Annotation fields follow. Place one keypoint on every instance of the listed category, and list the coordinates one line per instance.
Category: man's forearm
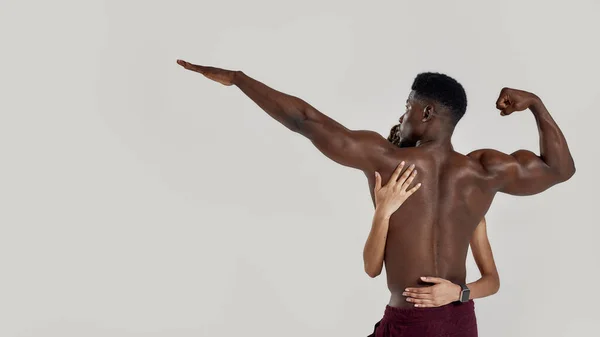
(289, 110)
(554, 150)
(374, 250)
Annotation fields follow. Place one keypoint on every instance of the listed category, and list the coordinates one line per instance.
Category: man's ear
(427, 113)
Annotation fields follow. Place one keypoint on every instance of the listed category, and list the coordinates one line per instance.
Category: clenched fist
(512, 100)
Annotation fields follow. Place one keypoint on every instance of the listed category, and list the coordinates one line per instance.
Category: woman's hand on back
(389, 197)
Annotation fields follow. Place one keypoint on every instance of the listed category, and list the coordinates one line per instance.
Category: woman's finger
(423, 290)
(396, 173)
(377, 181)
(413, 190)
(431, 279)
(406, 174)
(418, 301)
(426, 305)
(416, 295)
(409, 181)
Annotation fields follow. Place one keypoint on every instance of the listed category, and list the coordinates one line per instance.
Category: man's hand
(391, 196)
(511, 100)
(442, 293)
(222, 76)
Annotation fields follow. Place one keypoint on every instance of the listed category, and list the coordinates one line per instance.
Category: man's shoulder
(465, 160)
(487, 158)
(369, 138)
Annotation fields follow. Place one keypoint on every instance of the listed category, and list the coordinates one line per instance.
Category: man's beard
(407, 143)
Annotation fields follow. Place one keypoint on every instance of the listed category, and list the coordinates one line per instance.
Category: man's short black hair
(443, 89)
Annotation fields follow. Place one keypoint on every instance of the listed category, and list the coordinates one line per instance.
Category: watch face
(464, 296)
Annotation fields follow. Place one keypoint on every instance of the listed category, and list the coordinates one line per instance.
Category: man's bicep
(520, 173)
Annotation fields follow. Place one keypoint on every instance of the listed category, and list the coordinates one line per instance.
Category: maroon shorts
(454, 319)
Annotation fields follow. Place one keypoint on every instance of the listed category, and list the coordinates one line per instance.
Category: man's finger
(191, 66)
(396, 173)
(423, 290)
(503, 101)
(431, 279)
(377, 181)
(184, 64)
(508, 111)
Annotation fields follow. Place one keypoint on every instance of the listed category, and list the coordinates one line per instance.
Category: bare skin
(444, 291)
(430, 234)
(388, 198)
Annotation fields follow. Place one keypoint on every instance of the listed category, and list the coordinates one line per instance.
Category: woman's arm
(444, 291)
(489, 283)
(375, 246)
(387, 200)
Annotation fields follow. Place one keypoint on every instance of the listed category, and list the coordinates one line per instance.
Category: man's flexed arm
(523, 172)
(349, 148)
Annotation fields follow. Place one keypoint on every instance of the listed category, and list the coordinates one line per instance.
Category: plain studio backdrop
(141, 199)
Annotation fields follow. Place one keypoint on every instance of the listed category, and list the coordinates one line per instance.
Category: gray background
(138, 199)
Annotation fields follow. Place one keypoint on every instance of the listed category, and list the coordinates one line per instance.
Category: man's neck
(440, 143)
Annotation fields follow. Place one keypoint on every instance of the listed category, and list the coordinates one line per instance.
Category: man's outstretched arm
(358, 149)
(523, 172)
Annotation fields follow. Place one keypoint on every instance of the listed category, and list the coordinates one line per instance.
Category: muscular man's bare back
(430, 234)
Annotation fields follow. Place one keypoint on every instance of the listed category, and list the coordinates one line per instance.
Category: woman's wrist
(382, 214)
(457, 291)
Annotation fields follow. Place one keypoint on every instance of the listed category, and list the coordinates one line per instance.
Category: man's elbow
(571, 172)
(566, 174)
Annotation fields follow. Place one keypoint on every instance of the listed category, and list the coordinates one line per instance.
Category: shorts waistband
(418, 315)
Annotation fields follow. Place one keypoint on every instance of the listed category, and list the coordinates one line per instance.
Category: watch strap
(464, 293)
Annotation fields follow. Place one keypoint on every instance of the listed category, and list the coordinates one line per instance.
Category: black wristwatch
(465, 293)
